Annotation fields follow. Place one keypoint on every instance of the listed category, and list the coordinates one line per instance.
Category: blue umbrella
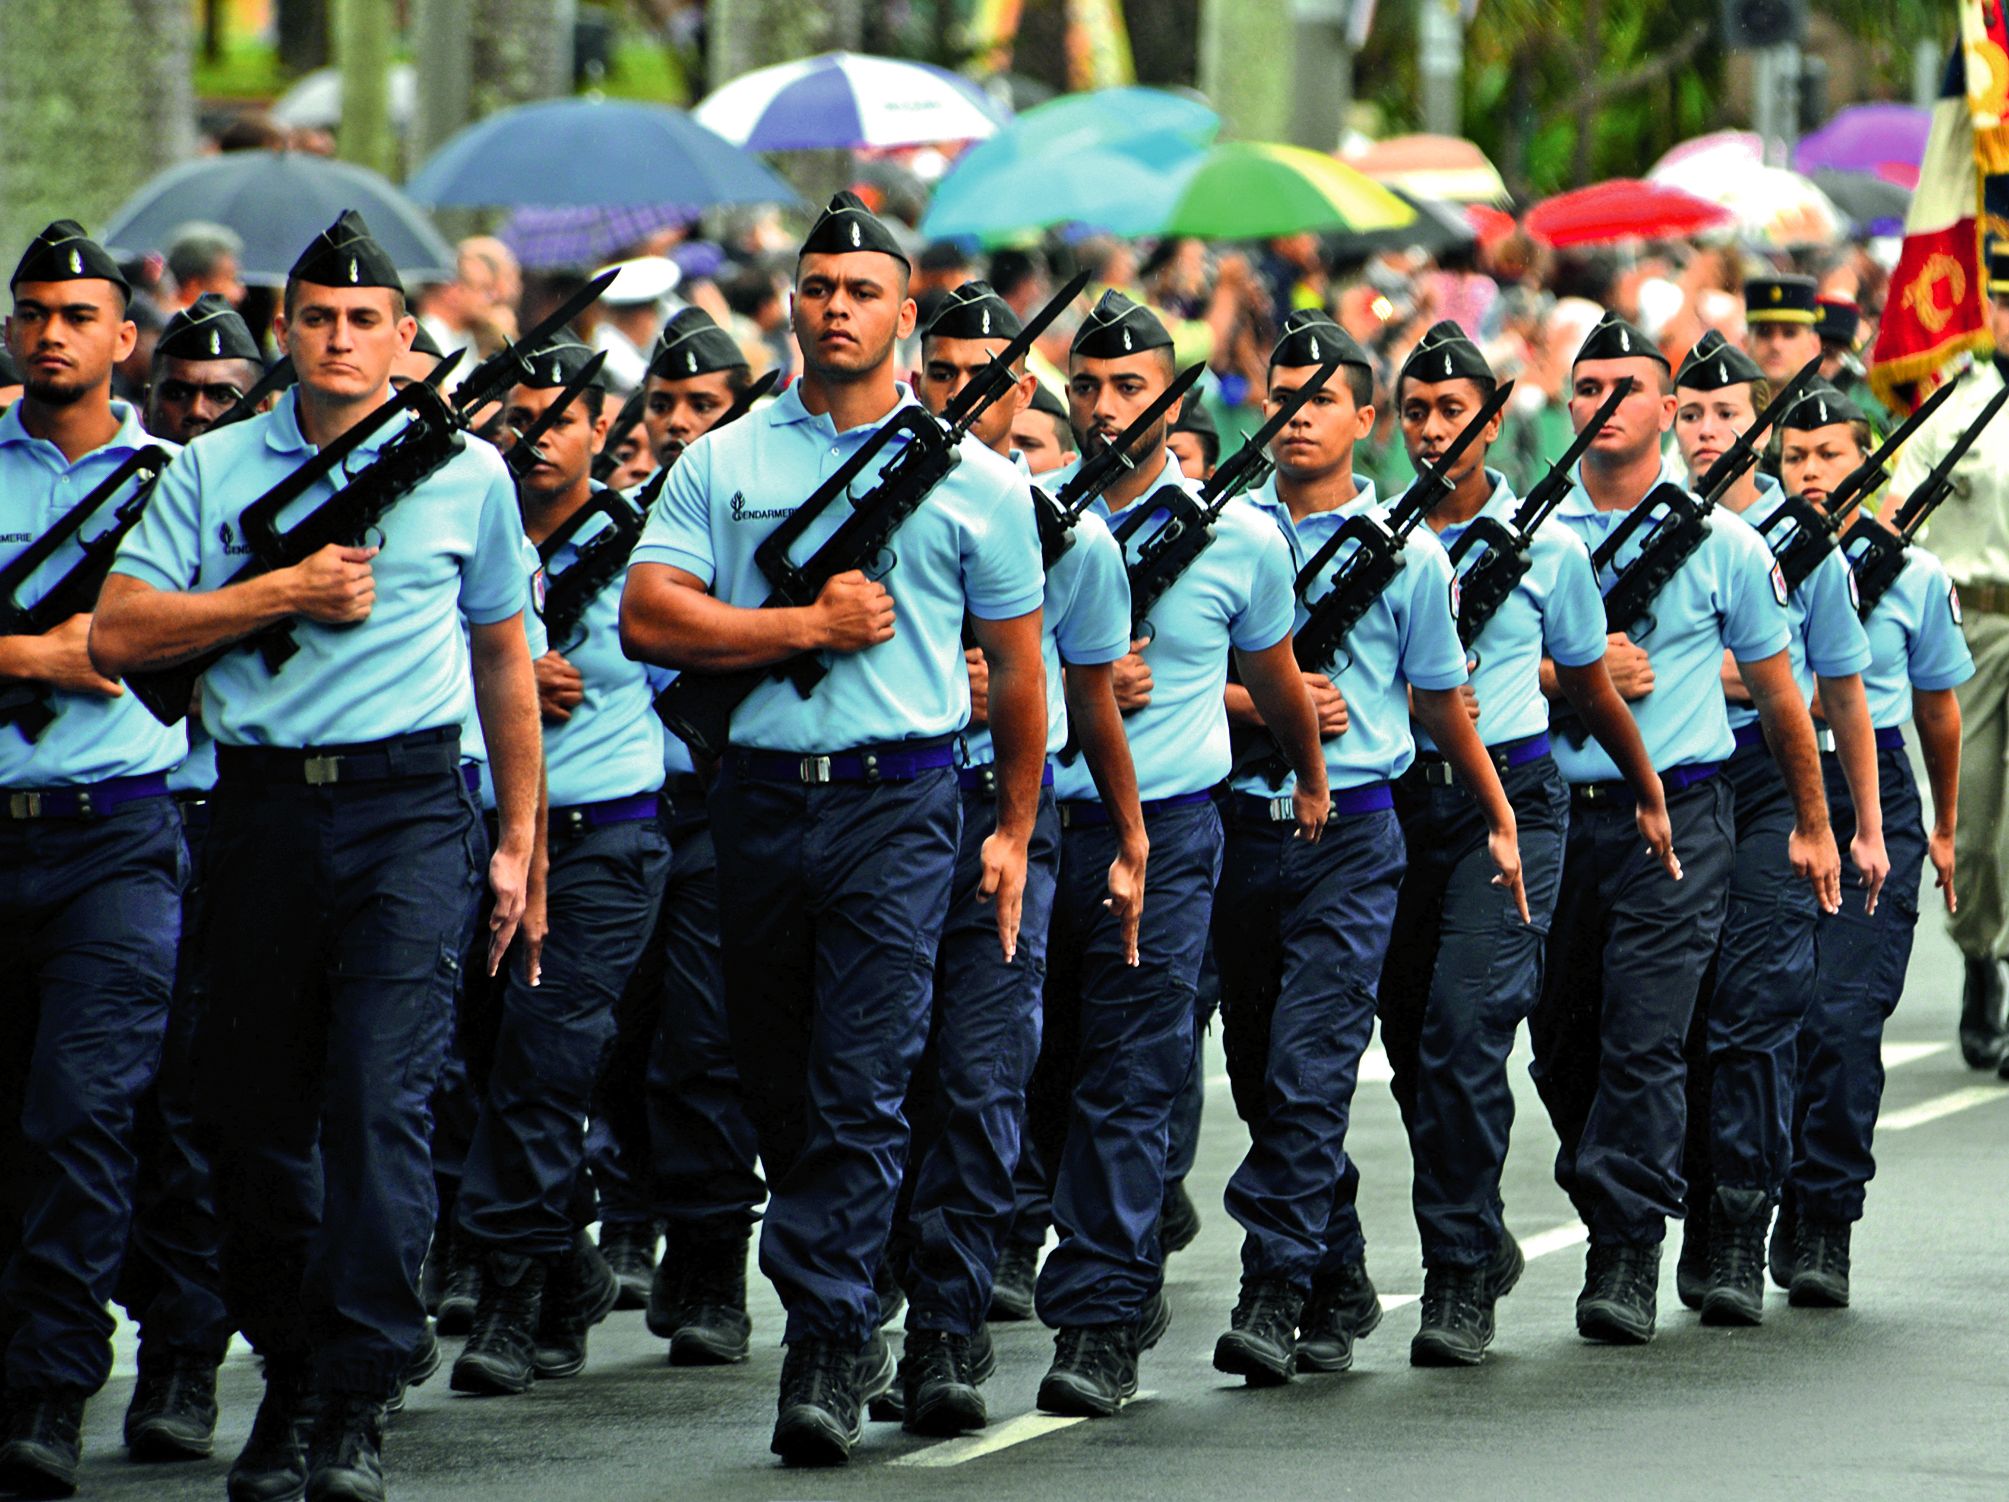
(594, 153)
(276, 202)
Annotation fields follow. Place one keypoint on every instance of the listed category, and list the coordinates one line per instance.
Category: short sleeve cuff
(674, 557)
(1757, 649)
(146, 573)
(1436, 682)
(1094, 655)
(1008, 607)
(1568, 656)
(1937, 682)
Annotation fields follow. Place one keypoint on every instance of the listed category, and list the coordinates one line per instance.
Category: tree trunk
(1246, 66)
(522, 51)
(95, 97)
(365, 31)
(750, 34)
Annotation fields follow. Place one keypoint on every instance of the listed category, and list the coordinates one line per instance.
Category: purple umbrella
(1868, 138)
(573, 236)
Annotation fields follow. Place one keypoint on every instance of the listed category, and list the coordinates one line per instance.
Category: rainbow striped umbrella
(1254, 190)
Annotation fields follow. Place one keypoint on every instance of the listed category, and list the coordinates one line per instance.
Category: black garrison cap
(973, 311)
(692, 344)
(1715, 363)
(846, 225)
(1312, 338)
(207, 329)
(423, 343)
(1445, 353)
(555, 364)
(1116, 327)
(1820, 407)
(1043, 400)
(345, 255)
(64, 253)
(1615, 339)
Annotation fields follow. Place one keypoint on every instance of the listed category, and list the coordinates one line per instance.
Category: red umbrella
(1623, 209)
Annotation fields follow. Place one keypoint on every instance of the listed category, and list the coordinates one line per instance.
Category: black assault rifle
(699, 706)
(26, 705)
(279, 376)
(1362, 577)
(523, 454)
(1188, 521)
(1874, 551)
(1058, 513)
(350, 516)
(604, 462)
(1504, 548)
(1800, 533)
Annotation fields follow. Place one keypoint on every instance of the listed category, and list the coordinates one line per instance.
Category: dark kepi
(207, 329)
(1780, 299)
(692, 344)
(64, 253)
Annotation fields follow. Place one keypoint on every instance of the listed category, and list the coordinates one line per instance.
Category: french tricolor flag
(1937, 309)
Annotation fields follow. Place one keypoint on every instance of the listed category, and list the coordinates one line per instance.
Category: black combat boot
(1820, 1277)
(939, 1378)
(819, 1416)
(500, 1357)
(1457, 1323)
(1094, 1371)
(1785, 1244)
(43, 1444)
(1691, 1268)
(629, 1248)
(1982, 1004)
(1012, 1286)
(272, 1466)
(697, 1301)
(1620, 1294)
(345, 1461)
(1736, 1291)
(1178, 1220)
(1343, 1308)
(460, 1283)
(424, 1362)
(1260, 1345)
(580, 1291)
(172, 1415)
(1505, 1270)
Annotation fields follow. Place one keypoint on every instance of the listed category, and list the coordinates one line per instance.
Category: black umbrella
(277, 202)
(1875, 206)
(1438, 227)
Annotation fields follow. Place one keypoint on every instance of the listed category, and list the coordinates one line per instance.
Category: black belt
(984, 779)
(872, 765)
(1438, 772)
(424, 753)
(684, 787)
(1366, 798)
(88, 800)
(1673, 780)
(1088, 813)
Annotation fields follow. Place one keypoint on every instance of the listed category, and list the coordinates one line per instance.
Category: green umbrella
(1255, 190)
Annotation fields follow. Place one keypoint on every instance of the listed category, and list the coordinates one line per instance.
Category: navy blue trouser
(834, 902)
(1627, 950)
(1187, 1111)
(523, 1166)
(171, 1283)
(700, 1149)
(1117, 1048)
(1463, 973)
(456, 1100)
(332, 932)
(1300, 933)
(1743, 1042)
(90, 914)
(1860, 966)
(968, 1104)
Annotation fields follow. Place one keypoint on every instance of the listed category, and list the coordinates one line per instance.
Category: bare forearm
(1590, 692)
(1440, 712)
(1276, 690)
(137, 627)
(505, 694)
(1018, 734)
(1846, 708)
(1098, 726)
(1936, 713)
(677, 626)
(1789, 730)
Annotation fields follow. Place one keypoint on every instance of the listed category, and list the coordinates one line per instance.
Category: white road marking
(975, 1446)
(1897, 1055)
(1941, 1105)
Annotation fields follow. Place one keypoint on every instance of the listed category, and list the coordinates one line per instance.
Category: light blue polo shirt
(1555, 611)
(473, 742)
(1086, 620)
(1728, 594)
(1915, 639)
(1236, 594)
(1827, 635)
(92, 738)
(677, 760)
(451, 547)
(973, 546)
(612, 746)
(1408, 636)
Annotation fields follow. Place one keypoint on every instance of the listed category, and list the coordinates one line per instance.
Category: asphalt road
(1900, 1396)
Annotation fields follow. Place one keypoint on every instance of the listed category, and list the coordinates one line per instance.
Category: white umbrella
(846, 99)
(315, 101)
(1775, 208)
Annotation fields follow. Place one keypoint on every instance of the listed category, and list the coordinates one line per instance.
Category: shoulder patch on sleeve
(537, 591)
(1457, 597)
(1855, 595)
(1779, 592)
(1953, 600)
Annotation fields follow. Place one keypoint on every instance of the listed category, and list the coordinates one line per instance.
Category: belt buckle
(1438, 774)
(1591, 792)
(1824, 739)
(814, 770)
(987, 779)
(24, 805)
(1283, 810)
(320, 771)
